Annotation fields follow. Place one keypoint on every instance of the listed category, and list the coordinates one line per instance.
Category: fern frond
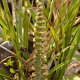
(39, 65)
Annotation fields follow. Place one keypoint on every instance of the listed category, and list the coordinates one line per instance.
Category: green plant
(62, 34)
(40, 60)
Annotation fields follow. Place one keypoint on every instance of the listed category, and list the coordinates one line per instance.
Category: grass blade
(26, 25)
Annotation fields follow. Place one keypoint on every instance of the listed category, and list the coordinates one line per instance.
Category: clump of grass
(63, 34)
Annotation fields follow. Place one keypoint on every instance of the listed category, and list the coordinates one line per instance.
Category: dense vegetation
(54, 26)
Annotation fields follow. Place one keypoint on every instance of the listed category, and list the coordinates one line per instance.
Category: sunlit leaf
(9, 62)
(12, 70)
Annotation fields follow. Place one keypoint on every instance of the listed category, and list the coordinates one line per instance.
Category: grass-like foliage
(54, 41)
